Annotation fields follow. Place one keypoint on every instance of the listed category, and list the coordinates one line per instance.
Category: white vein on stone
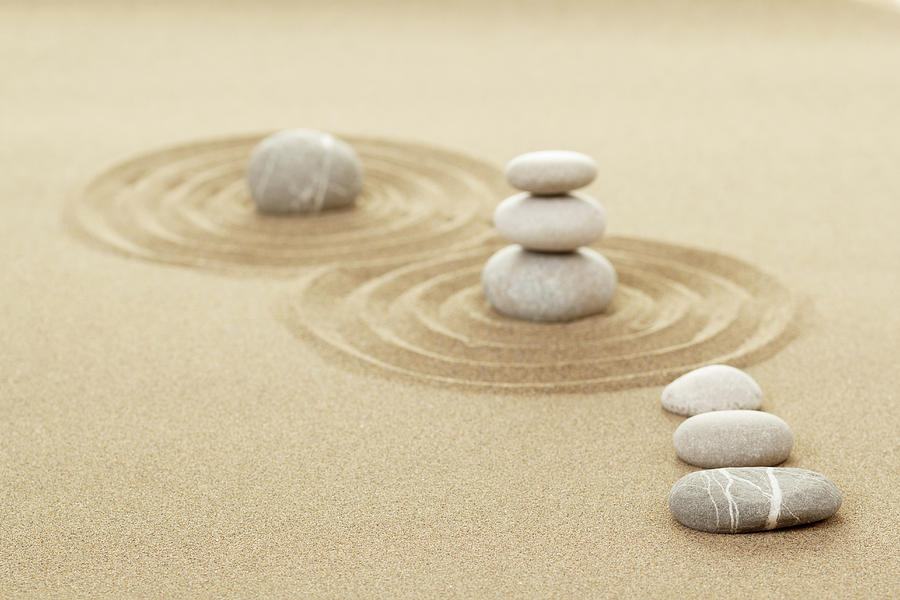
(750, 483)
(728, 499)
(775, 500)
(736, 519)
(711, 499)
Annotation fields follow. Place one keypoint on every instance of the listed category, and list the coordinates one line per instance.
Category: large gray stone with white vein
(303, 171)
(745, 499)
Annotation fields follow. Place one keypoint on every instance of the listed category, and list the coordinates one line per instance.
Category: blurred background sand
(164, 435)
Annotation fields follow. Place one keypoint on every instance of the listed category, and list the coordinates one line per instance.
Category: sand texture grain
(199, 401)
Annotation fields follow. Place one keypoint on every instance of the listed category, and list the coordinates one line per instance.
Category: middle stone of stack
(547, 274)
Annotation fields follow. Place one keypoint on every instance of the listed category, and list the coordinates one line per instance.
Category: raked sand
(196, 401)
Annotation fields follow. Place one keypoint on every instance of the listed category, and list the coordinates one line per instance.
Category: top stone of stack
(551, 172)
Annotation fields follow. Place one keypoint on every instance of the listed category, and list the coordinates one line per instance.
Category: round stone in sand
(550, 224)
(536, 286)
(733, 438)
(743, 499)
(716, 387)
(303, 171)
(551, 171)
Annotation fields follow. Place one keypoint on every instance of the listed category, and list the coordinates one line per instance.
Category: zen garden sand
(201, 398)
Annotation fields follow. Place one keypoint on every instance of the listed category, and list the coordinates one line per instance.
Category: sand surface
(196, 402)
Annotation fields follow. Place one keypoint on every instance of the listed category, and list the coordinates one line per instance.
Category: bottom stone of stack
(551, 287)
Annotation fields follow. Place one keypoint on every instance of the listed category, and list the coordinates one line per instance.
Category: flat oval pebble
(303, 171)
(551, 171)
(733, 438)
(744, 499)
(550, 224)
(548, 287)
(716, 387)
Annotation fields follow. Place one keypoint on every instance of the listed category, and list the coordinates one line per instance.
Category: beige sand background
(164, 435)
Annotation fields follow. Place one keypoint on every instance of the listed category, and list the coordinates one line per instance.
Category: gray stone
(535, 286)
(303, 171)
(733, 438)
(744, 499)
(716, 387)
(551, 171)
(550, 223)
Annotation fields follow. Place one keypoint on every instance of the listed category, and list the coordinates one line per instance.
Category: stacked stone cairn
(547, 274)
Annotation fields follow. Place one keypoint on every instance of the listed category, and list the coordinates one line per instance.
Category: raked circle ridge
(676, 308)
(189, 205)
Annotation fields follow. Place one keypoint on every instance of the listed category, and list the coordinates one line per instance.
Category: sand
(187, 413)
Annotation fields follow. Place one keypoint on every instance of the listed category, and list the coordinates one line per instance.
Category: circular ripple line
(188, 205)
(676, 309)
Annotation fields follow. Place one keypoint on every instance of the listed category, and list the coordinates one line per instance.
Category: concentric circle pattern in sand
(676, 308)
(189, 205)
